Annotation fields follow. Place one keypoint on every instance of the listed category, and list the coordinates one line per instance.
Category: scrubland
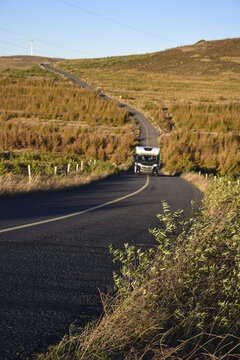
(190, 92)
(47, 121)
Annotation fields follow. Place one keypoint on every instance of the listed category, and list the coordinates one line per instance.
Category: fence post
(199, 173)
(81, 165)
(55, 170)
(94, 162)
(68, 169)
(206, 176)
(238, 182)
(29, 173)
(77, 167)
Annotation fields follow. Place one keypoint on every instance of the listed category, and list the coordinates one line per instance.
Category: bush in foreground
(179, 300)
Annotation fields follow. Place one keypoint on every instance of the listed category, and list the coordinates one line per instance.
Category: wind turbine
(31, 42)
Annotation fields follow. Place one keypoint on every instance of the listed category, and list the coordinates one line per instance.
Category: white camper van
(147, 160)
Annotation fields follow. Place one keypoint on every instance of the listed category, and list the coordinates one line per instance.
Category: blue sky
(99, 28)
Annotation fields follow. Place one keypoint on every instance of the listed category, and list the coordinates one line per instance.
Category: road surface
(54, 250)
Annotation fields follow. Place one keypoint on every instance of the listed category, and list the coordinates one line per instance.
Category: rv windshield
(146, 158)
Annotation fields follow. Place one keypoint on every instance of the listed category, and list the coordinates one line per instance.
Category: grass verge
(12, 185)
(199, 181)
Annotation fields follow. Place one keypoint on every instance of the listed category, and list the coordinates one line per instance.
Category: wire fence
(46, 168)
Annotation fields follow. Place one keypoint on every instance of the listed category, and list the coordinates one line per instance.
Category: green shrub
(3, 168)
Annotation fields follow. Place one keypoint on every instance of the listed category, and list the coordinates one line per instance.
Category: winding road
(54, 249)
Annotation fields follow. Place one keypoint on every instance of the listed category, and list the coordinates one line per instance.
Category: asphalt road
(52, 267)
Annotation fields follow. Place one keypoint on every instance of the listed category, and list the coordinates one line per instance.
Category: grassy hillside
(191, 92)
(211, 57)
(18, 61)
(44, 118)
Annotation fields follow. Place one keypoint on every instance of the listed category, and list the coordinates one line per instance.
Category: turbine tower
(31, 42)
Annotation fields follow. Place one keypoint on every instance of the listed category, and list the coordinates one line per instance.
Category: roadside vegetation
(45, 120)
(44, 99)
(178, 300)
(190, 151)
(190, 93)
(49, 171)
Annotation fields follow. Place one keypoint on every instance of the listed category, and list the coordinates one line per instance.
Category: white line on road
(77, 213)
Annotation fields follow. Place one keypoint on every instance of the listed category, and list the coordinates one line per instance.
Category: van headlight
(154, 169)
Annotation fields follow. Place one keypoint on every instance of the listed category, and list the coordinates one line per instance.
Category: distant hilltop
(19, 61)
(202, 58)
(201, 42)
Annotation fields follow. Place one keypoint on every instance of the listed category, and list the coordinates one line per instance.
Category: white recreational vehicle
(147, 160)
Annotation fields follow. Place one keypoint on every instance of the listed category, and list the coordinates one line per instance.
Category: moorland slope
(48, 122)
(22, 61)
(191, 93)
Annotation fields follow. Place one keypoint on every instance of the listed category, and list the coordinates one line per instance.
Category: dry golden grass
(214, 118)
(44, 119)
(48, 115)
(199, 181)
(199, 87)
(50, 99)
(101, 143)
(194, 151)
(19, 185)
